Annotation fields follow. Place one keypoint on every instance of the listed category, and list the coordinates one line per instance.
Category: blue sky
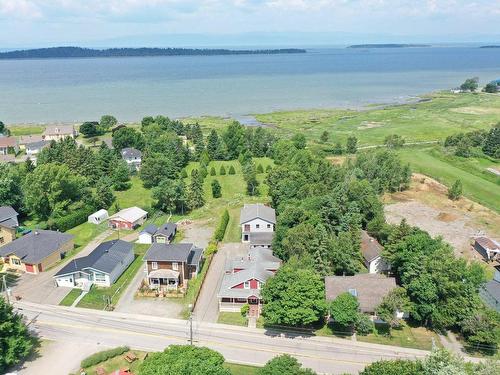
(36, 23)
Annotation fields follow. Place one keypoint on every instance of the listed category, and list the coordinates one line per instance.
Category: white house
(34, 148)
(58, 132)
(102, 267)
(372, 254)
(257, 218)
(132, 157)
(98, 217)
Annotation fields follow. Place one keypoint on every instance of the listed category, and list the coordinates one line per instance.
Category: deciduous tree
(344, 309)
(284, 365)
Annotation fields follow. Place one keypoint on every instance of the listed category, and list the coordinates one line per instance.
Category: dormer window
(246, 285)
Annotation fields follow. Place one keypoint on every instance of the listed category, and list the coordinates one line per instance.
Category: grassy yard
(95, 298)
(232, 318)
(70, 297)
(477, 185)
(18, 130)
(241, 369)
(437, 116)
(137, 195)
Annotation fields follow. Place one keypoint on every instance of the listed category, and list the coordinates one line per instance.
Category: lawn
(445, 169)
(18, 130)
(435, 117)
(70, 297)
(136, 195)
(232, 318)
(95, 298)
(241, 369)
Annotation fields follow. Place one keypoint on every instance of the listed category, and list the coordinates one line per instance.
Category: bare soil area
(427, 206)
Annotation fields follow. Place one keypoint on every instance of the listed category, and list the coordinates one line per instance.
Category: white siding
(145, 238)
(67, 281)
(377, 265)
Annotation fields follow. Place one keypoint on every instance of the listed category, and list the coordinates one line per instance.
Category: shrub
(184, 174)
(221, 229)
(213, 172)
(203, 172)
(216, 189)
(455, 192)
(364, 325)
(99, 357)
(260, 169)
(232, 170)
(211, 249)
(245, 309)
(269, 169)
(193, 173)
(72, 220)
(222, 171)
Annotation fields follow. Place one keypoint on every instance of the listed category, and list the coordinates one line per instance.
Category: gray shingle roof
(37, 145)
(166, 230)
(261, 238)
(179, 252)
(131, 153)
(8, 217)
(493, 289)
(259, 210)
(105, 258)
(150, 229)
(370, 248)
(36, 246)
(370, 288)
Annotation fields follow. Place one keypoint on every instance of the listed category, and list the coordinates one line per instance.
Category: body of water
(70, 90)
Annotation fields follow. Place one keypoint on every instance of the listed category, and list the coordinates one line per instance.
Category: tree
(250, 176)
(324, 137)
(470, 84)
(284, 365)
(394, 367)
(491, 88)
(396, 301)
(195, 197)
(338, 149)
(11, 193)
(156, 167)
(104, 196)
(491, 146)
(107, 122)
(344, 309)
(234, 138)
(482, 330)
(222, 171)
(184, 360)
(455, 192)
(294, 297)
(394, 141)
(232, 170)
(3, 128)
(170, 196)
(216, 189)
(299, 141)
(364, 324)
(463, 148)
(213, 145)
(89, 129)
(213, 172)
(345, 255)
(260, 169)
(121, 176)
(441, 361)
(351, 145)
(128, 137)
(15, 340)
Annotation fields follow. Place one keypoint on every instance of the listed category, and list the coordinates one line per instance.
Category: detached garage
(98, 217)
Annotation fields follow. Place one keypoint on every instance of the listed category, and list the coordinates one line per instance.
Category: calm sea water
(130, 88)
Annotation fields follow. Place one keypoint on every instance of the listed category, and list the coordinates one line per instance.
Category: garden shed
(98, 217)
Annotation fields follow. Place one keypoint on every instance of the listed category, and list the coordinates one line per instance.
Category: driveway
(41, 288)
(196, 232)
(207, 306)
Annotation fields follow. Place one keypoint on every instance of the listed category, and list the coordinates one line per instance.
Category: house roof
(163, 273)
(179, 252)
(27, 139)
(7, 159)
(257, 211)
(8, 142)
(59, 129)
(493, 289)
(487, 243)
(370, 288)
(131, 214)
(8, 217)
(101, 213)
(131, 153)
(38, 145)
(105, 258)
(36, 245)
(370, 248)
(261, 238)
(150, 229)
(167, 229)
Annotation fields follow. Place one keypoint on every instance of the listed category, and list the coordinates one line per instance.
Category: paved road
(41, 288)
(207, 307)
(236, 344)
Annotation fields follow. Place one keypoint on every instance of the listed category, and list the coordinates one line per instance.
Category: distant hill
(493, 46)
(77, 52)
(388, 45)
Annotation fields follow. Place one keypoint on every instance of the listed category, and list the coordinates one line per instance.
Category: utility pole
(190, 324)
(4, 282)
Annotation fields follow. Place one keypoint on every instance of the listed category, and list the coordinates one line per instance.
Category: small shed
(98, 217)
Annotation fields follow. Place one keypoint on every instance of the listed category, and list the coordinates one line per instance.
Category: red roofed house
(7, 144)
(244, 278)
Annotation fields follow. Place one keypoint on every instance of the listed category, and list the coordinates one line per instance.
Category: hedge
(99, 357)
(221, 229)
(72, 220)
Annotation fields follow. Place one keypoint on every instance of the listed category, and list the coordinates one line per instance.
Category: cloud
(19, 9)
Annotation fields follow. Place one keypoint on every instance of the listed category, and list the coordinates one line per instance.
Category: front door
(30, 268)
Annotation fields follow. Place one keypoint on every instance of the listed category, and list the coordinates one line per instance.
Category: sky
(42, 23)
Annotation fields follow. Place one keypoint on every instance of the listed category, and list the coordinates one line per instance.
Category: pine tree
(322, 247)
(352, 145)
(232, 170)
(213, 144)
(216, 189)
(195, 196)
(184, 173)
(104, 196)
(213, 172)
(324, 137)
(260, 169)
(455, 192)
(121, 177)
(222, 171)
(269, 169)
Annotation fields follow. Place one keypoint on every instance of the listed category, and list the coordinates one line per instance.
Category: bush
(213, 172)
(260, 169)
(232, 170)
(222, 171)
(364, 325)
(99, 357)
(221, 229)
(72, 220)
(455, 192)
(184, 174)
(211, 249)
(269, 169)
(245, 309)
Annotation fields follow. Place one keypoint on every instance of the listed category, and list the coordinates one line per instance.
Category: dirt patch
(197, 232)
(427, 206)
(370, 125)
(477, 110)
(336, 160)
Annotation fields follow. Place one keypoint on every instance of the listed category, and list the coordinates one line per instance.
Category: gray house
(256, 219)
(163, 234)
(490, 292)
(101, 267)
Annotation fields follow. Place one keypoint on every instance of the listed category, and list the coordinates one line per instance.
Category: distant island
(77, 52)
(492, 46)
(388, 45)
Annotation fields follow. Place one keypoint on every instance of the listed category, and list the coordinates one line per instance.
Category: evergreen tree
(269, 169)
(213, 172)
(195, 198)
(321, 251)
(184, 173)
(232, 170)
(222, 171)
(234, 138)
(121, 176)
(352, 145)
(491, 145)
(299, 141)
(260, 169)
(213, 145)
(216, 189)
(104, 196)
(324, 137)
(455, 192)
(250, 177)
(337, 149)
(203, 172)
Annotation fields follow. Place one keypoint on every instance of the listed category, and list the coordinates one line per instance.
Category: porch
(164, 280)
(235, 305)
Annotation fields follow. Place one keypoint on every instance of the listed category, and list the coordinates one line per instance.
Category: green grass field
(137, 195)
(70, 297)
(18, 130)
(439, 115)
(478, 185)
(94, 298)
(232, 318)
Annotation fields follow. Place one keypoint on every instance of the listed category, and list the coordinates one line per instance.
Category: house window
(257, 226)
(99, 278)
(154, 265)
(1, 240)
(268, 226)
(246, 285)
(15, 261)
(259, 284)
(175, 266)
(353, 292)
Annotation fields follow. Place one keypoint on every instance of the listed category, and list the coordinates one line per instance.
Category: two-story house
(58, 132)
(257, 225)
(132, 157)
(243, 279)
(8, 224)
(372, 254)
(171, 266)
